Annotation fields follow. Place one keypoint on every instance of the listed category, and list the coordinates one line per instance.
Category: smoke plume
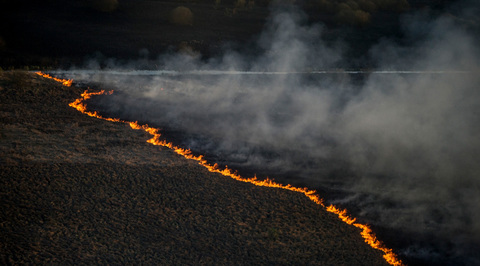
(402, 147)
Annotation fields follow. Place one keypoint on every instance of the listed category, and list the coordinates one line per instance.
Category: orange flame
(368, 235)
(65, 82)
(366, 232)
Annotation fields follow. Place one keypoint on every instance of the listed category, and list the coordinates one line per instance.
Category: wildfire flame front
(366, 232)
(65, 82)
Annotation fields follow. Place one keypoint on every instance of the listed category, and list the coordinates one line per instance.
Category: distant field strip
(235, 72)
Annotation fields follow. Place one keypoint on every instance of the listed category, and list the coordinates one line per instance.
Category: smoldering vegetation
(401, 149)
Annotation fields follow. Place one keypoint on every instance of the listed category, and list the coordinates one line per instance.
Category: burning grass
(76, 189)
(366, 232)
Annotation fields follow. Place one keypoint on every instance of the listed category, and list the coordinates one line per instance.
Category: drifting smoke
(402, 148)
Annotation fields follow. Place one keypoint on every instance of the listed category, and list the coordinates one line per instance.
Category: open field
(77, 190)
(397, 125)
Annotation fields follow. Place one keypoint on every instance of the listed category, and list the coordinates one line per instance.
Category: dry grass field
(78, 190)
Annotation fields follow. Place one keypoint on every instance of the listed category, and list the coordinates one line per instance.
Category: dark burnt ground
(79, 190)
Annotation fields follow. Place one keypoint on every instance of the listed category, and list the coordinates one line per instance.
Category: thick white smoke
(403, 148)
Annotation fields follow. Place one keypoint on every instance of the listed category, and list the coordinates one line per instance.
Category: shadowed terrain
(65, 33)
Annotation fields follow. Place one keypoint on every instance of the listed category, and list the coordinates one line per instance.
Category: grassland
(78, 190)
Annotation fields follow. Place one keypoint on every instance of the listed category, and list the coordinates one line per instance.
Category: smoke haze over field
(402, 148)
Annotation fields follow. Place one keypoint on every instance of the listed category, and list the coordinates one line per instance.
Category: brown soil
(79, 190)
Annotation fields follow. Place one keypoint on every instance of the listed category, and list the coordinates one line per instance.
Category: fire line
(366, 232)
(65, 82)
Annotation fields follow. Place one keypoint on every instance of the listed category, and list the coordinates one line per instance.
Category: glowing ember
(65, 82)
(367, 233)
